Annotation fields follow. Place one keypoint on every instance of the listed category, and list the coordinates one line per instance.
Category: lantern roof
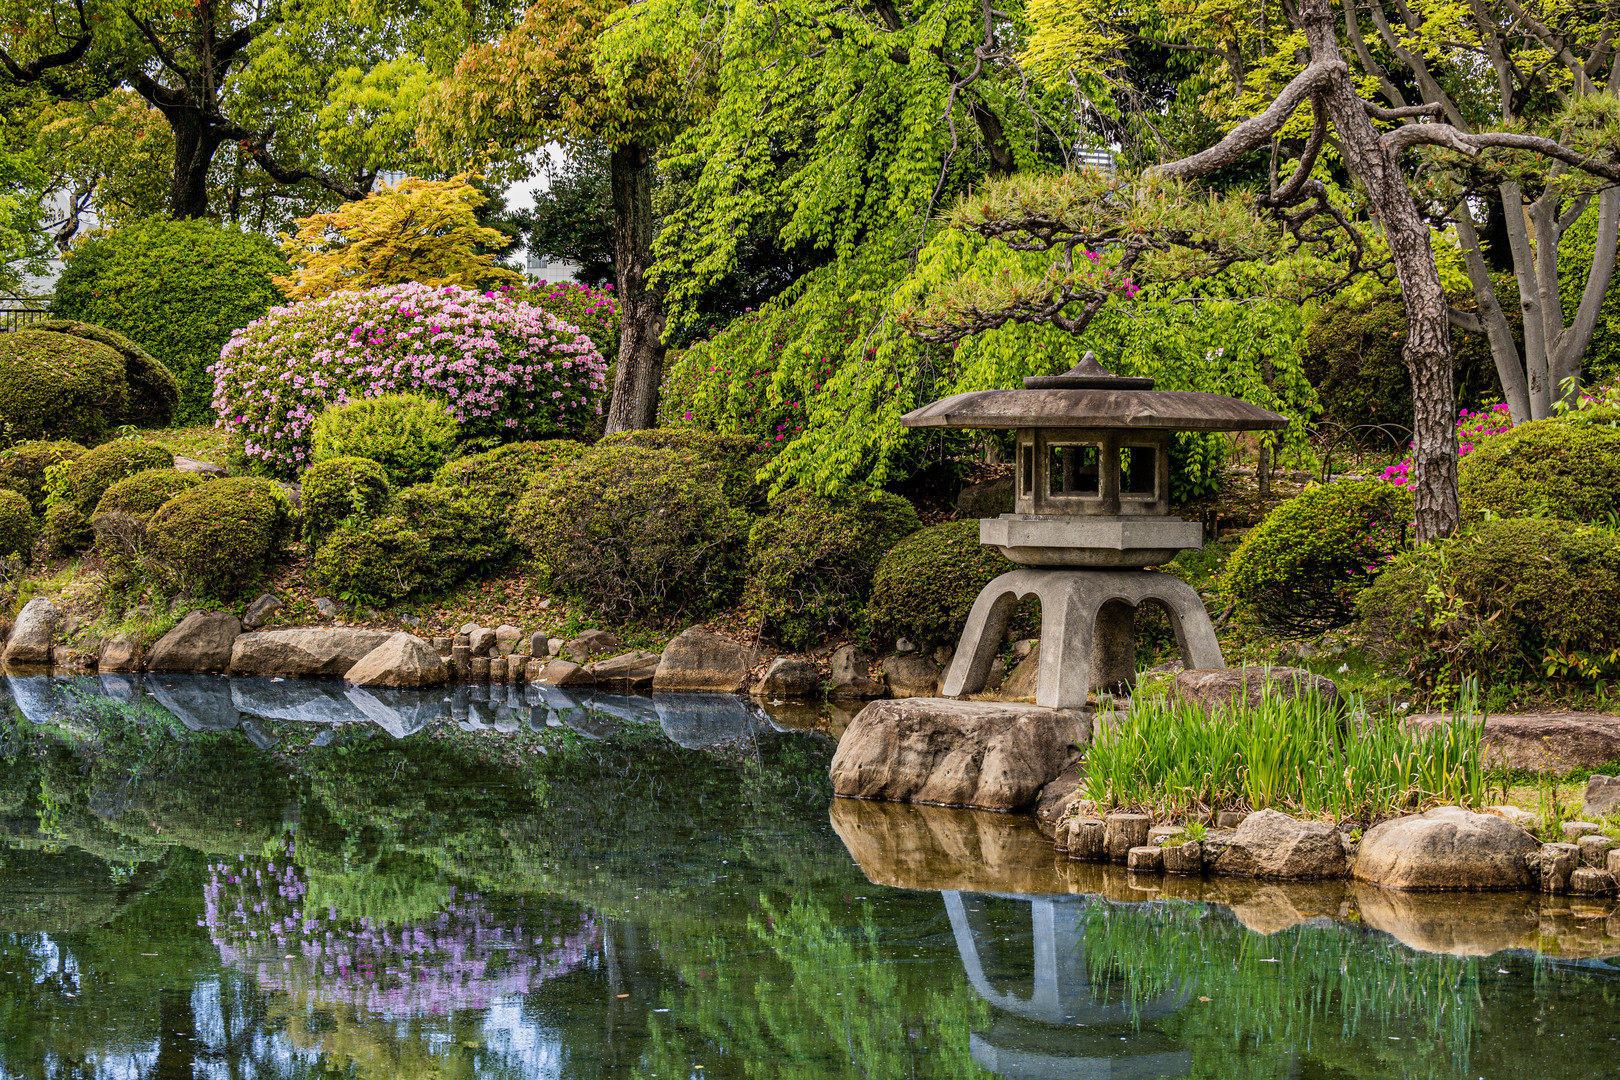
(1090, 396)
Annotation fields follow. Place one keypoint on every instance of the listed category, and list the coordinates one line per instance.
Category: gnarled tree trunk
(641, 313)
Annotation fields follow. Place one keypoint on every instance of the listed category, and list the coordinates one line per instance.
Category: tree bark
(194, 148)
(640, 371)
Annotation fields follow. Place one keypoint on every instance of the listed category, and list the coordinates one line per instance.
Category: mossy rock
(220, 539)
(340, 488)
(154, 392)
(811, 560)
(18, 529)
(57, 386)
(925, 587)
(1564, 467)
(22, 468)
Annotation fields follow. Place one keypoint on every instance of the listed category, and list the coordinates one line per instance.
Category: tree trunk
(641, 346)
(194, 147)
(1427, 351)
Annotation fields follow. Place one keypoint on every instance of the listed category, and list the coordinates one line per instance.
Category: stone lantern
(1091, 511)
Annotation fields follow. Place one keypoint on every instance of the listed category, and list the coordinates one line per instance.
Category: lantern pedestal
(1088, 625)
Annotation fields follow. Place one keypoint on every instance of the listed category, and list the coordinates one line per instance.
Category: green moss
(142, 494)
(219, 539)
(18, 530)
(1300, 570)
(340, 488)
(636, 531)
(154, 392)
(811, 560)
(54, 386)
(409, 435)
(498, 478)
(736, 456)
(23, 467)
(925, 587)
(1563, 467)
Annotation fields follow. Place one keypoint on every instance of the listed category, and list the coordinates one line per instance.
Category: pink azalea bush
(511, 370)
(595, 311)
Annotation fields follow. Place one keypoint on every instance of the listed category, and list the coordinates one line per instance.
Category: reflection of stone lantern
(1091, 510)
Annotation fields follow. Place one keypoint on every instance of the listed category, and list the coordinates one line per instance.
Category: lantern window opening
(1138, 471)
(1074, 470)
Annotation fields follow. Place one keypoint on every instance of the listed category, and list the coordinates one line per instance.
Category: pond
(203, 877)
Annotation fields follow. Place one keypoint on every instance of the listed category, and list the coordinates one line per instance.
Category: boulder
(989, 499)
(506, 638)
(1553, 864)
(1020, 685)
(402, 660)
(1542, 742)
(1273, 845)
(588, 644)
(699, 660)
(1446, 848)
(956, 753)
(32, 634)
(259, 612)
(202, 642)
(481, 641)
(1219, 688)
(558, 673)
(911, 676)
(627, 671)
(1058, 797)
(207, 469)
(329, 608)
(787, 678)
(306, 653)
(849, 674)
(121, 653)
(1602, 796)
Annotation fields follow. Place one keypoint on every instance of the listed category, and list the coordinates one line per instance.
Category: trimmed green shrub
(1566, 467)
(811, 560)
(339, 488)
(925, 587)
(636, 531)
(178, 289)
(65, 531)
(142, 494)
(83, 480)
(22, 468)
(1504, 600)
(429, 538)
(409, 435)
(736, 457)
(18, 530)
(219, 539)
(1299, 571)
(498, 478)
(55, 386)
(154, 392)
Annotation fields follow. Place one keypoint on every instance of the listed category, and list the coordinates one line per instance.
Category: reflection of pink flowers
(465, 956)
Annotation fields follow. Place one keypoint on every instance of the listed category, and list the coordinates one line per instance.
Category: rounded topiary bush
(83, 480)
(735, 456)
(339, 488)
(811, 560)
(120, 517)
(57, 386)
(1566, 467)
(1504, 600)
(494, 481)
(177, 289)
(924, 588)
(23, 468)
(18, 530)
(636, 531)
(430, 537)
(507, 371)
(1300, 570)
(219, 539)
(409, 435)
(154, 392)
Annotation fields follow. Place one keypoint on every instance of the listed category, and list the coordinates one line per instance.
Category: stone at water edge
(481, 641)
(1273, 845)
(1145, 859)
(259, 612)
(1122, 832)
(402, 660)
(632, 670)
(1184, 858)
(1590, 881)
(201, 642)
(1218, 688)
(789, 678)
(507, 637)
(1602, 796)
(1058, 797)
(1446, 848)
(1088, 839)
(911, 676)
(590, 643)
(699, 660)
(31, 636)
(956, 753)
(849, 674)
(1595, 850)
(559, 673)
(303, 653)
(1554, 864)
(121, 653)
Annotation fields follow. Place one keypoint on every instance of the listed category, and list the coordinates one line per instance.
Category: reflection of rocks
(400, 712)
(120, 687)
(36, 697)
(201, 702)
(698, 720)
(1462, 924)
(936, 847)
(293, 699)
(1270, 907)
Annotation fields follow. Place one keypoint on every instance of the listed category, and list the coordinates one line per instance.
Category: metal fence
(17, 312)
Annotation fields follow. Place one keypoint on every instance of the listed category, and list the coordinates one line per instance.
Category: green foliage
(498, 478)
(18, 530)
(1505, 600)
(409, 435)
(734, 457)
(23, 468)
(55, 386)
(1564, 467)
(65, 531)
(140, 495)
(219, 539)
(925, 587)
(1300, 570)
(636, 531)
(811, 560)
(428, 539)
(82, 480)
(1295, 754)
(154, 392)
(178, 289)
(339, 488)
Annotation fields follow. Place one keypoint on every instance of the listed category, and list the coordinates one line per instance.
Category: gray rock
(1554, 864)
(1273, 845)
(329, 608)
(1602, 796)
(32, 635)
(1145, 859)
(849, 674)
(902, 645)
(1590, 881)
(699, 660)
(1542, 742)
(1574, 830)
(468, 628)
(202, 642)
(911, 676)
(402, 660)
(701, 720)
(627, 671)
(956, 753)
(1020, 685)
(788, 678)
(539, 644)
(507, 637)
(590, 643)
(989, 499)
(207, 469)
(1595, 850)
(304, 653)
(481, 641)
(1122, 832)
(120, 653)
(560, 673)
(259, 612)
(201, 702)
(1230, 819)
(1446, 848)
(1220, 688)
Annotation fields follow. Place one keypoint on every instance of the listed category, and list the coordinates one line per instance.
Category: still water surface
(202, 877)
